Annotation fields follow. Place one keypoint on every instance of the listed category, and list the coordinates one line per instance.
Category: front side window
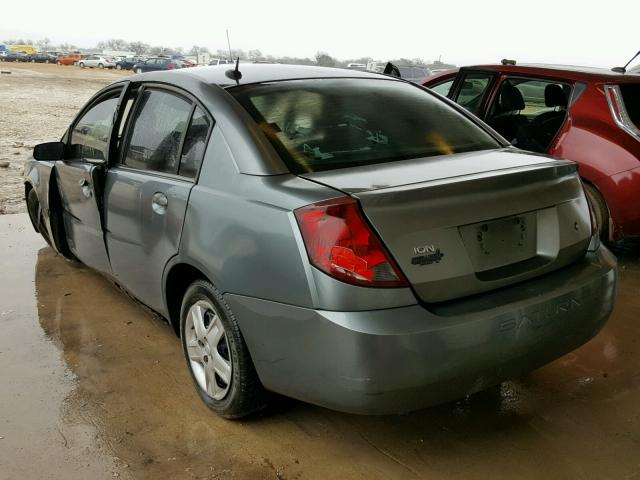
(158, 129)
(90, 135)
(473, 90)
(324, 124)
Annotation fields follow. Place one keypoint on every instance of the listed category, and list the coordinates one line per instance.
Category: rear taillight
(619, 112)
(171, 66)
(340, 242)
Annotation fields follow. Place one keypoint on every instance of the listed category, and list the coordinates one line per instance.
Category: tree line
(140, 48)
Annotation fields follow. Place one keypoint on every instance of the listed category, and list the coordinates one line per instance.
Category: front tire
(216, 354)
(81, 65)
(138, 70)
(100, 65)
(35, 215)
(118, 67)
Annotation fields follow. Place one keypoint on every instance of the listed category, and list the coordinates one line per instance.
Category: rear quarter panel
(238, 229)
(591, 139)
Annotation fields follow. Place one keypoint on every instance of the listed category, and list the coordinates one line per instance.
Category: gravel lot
(37, 103)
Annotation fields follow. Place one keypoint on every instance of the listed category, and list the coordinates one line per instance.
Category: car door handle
(159, 203)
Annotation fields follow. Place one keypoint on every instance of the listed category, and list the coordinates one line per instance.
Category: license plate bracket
(497, 243)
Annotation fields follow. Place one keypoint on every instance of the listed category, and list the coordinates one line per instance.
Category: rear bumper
(402, 359)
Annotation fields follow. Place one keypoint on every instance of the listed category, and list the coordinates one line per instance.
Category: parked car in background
(41, 57)
(220, 61)
(414, 73)
(156, 64)
(14, 57)
(127, 63)
(69, 59)
(588, 115)
(368, 256)
(98, 61)
(187, 63)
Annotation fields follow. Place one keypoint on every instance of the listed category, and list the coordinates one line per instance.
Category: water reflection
(574, 418)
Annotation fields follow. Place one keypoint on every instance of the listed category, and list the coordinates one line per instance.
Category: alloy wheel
(208, 350)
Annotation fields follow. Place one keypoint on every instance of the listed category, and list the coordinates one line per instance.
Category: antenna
(235, 74)
(624, 69)
(229, 45)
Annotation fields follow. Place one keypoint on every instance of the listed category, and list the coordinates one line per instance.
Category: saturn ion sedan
(345, 238)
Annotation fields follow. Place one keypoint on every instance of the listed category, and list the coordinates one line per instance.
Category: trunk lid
(462, 224)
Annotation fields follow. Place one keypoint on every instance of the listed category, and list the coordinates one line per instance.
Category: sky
(464, 32)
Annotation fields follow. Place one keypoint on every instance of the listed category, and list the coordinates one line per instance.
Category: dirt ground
(37, 103)
(93, 386)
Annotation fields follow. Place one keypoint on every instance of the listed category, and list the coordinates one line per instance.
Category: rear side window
(159, 127)
(194, 144)
(324, 124)
(90, 135)
(631, 97)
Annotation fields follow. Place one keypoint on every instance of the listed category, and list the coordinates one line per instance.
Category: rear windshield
(631, 96)
(325, 124)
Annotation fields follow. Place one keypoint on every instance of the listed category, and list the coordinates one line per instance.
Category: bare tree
(196, 50)
(158, 50)
(139, 47)
(323, 59)
(113, 44)
(254, 55)
(44, 44)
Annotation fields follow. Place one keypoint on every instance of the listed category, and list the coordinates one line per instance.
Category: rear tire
(58, 63)
(138, 70)
(600, 209)
(118, 67)
(100, 65)
(81, 65)
(210, 334)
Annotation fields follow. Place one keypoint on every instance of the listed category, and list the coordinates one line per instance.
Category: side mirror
(50, 151)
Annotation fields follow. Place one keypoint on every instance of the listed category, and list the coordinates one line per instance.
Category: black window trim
(126, 134)
(459, 80)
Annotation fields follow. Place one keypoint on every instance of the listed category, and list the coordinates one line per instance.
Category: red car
(588, 115)
(69, 59)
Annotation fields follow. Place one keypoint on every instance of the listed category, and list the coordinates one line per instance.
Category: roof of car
(258, 73)
(573, 72)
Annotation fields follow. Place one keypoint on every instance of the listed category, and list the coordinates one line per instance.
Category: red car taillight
(171, 66)
(341, 243)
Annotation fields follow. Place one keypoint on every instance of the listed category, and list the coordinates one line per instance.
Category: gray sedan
(341, 237)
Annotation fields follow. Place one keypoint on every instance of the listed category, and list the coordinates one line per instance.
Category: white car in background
(97, 61)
